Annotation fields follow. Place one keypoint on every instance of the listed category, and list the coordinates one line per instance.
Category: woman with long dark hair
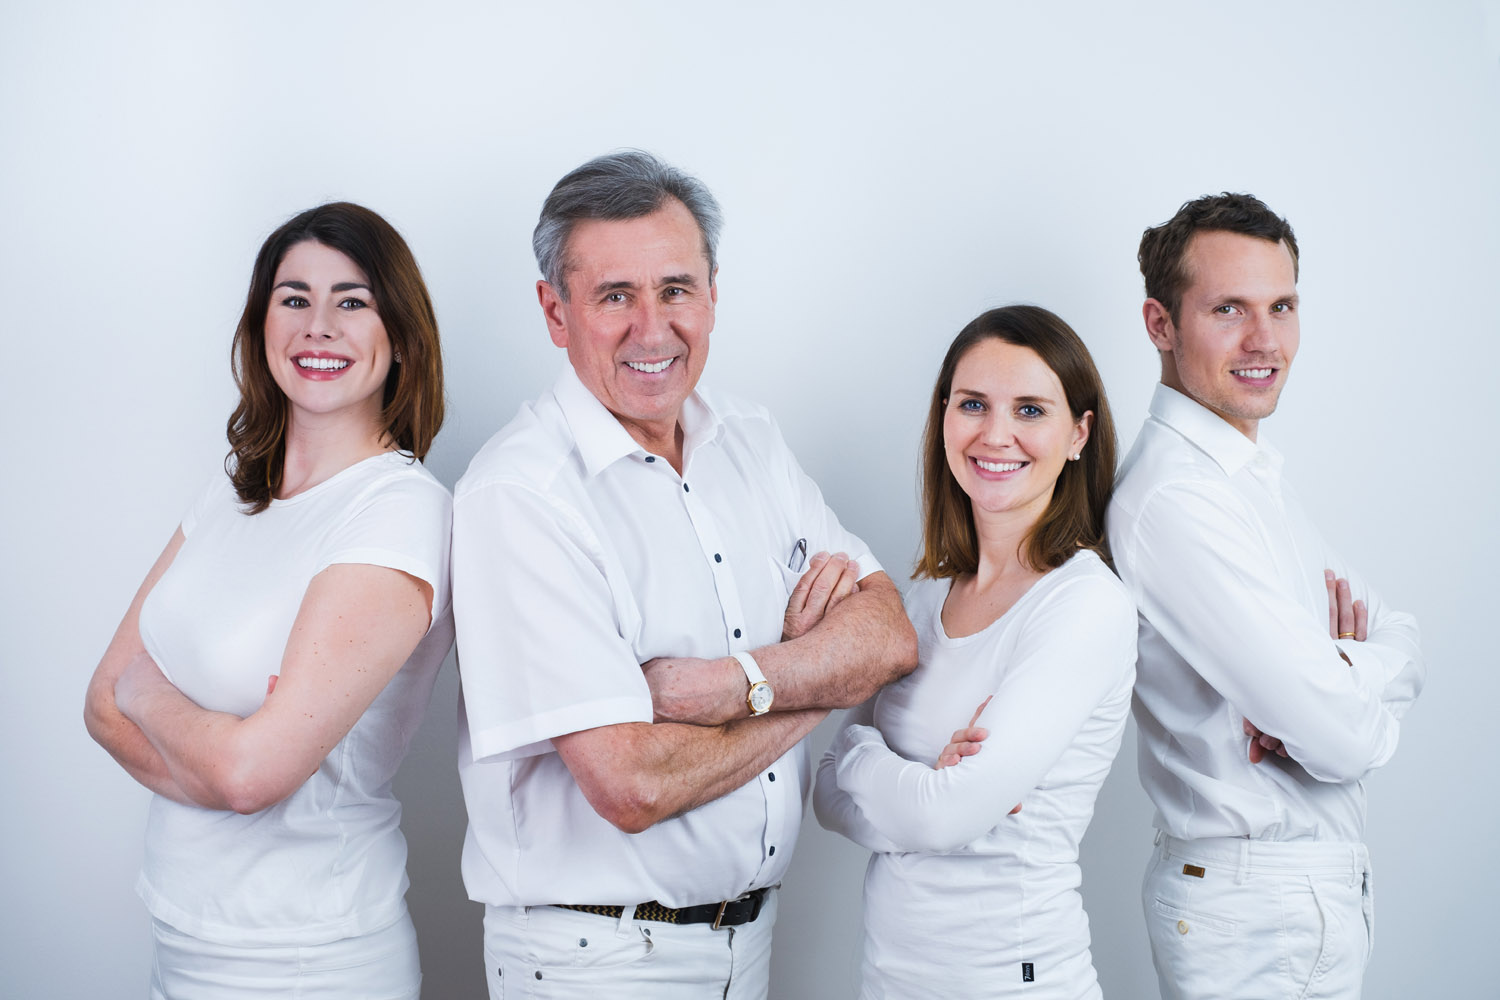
(269, 675)
(972, 889)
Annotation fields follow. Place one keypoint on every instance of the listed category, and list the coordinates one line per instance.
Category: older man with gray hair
(649, 623)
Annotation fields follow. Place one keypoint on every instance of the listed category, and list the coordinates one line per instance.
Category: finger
(1361, 621)
(978, 712)
(270, 684)
(828, 574)
(846, 584)
(1281, 751)
(1016, 809)
(1249, 728)
(946, 760)
(970, 734)
(798, 599)
(1333, 603)
(1257, 752)
(1346, 608)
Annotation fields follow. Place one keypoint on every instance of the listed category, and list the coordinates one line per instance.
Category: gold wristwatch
(760, 695)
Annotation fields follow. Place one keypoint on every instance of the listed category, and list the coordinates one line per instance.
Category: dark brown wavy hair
(412, 404)
(1074, 518)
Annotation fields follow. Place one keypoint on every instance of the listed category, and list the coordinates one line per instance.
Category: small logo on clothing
(1192, 870)
(1027, 975)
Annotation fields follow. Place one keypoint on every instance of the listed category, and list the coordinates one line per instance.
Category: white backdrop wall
(886, 175)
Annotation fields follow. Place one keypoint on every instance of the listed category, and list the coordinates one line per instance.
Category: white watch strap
(751, 668)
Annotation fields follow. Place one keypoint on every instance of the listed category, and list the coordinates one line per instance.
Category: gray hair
(624, 185)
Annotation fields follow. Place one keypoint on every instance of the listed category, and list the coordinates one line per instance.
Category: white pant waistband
(1269, 857)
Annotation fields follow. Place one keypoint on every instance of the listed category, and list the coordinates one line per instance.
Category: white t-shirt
(329, 861)
(961, 898)
(1227, 570)
(578, 556)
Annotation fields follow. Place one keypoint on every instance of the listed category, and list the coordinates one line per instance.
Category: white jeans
(546, 952)
(1239, 919)
(378, 966)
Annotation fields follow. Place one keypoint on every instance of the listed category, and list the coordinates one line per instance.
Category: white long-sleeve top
(1227, 571)
(960, 896)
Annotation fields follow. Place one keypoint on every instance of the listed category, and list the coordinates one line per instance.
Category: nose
(1260, 335)
(998, 429)
(322, 322)
(651, 321)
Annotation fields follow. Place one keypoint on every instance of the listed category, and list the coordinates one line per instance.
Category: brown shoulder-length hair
(412, 405)
(1074, 519)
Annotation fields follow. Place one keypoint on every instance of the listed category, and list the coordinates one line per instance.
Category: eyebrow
(297, 284)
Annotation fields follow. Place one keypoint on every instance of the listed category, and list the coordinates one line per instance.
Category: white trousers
(547, 952)
(1242, 919)
(379, 966)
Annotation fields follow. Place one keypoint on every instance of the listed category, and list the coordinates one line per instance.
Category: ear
(713, 287)
(1081, 432)
(1159, 325)
(552, 311)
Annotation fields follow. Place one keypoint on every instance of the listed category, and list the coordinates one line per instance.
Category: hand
(1345, 615)
(138, 678)
(695, 691)
(965, 742)
(1261, 745)
(828, 580)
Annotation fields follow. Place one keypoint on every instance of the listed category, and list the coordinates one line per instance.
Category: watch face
(760, 697)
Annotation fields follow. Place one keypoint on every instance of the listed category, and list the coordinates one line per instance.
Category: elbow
(1348, 761)
(243, 784)
(899, 659)
(631, 806)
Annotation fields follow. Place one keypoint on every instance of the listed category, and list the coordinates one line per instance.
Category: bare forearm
(636, 774)
(125, 742)
(863, 644)
(188, 741)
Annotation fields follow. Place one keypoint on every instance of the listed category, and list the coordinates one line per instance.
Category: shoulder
(215, 497)
(1091, 590)
(1161, 461)
(531, 452)
(743, 419)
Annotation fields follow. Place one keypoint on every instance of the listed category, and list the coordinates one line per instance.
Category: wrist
(758, 695)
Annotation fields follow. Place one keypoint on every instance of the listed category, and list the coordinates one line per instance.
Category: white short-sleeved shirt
(1227, 571)
(329, 861)
(962, 898)
(578, 557)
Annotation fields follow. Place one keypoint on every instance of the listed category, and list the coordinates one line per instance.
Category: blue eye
(1031, 410)
(971, 406)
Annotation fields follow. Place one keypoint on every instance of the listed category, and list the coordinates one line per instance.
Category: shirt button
(736, 633)
(771, 776)
(718, 558)
(650, 458)
(1182, 927)
(772, 851)
(583, 942)
(685, 488)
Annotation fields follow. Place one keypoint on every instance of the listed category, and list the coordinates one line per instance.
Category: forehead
(1221, 264)
(310, 256)
(667, 241)
(998, 368)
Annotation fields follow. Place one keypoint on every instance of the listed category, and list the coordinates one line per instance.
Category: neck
(318, 448)
(1002, 538)
(662, 438)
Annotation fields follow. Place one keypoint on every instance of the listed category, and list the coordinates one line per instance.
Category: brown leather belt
(729, 913)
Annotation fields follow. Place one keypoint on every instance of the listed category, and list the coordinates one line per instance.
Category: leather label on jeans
(1192, 870)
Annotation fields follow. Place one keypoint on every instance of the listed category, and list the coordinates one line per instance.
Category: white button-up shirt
(578, 556)
(1227, 573)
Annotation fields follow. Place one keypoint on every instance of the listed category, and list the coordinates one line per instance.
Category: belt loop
(627, 917)
(1157, 842)
(1355, 871)
(1239, 876)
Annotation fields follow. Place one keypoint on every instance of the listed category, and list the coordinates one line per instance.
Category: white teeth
(659, 366)
(322, 364)
(998, 466)
(1255, 372)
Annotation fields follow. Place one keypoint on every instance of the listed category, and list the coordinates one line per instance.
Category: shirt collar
(1211, 433)
(602, 440)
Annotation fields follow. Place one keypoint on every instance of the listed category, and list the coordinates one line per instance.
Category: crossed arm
(356, 626)
(1335, 706)
(839, 640)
